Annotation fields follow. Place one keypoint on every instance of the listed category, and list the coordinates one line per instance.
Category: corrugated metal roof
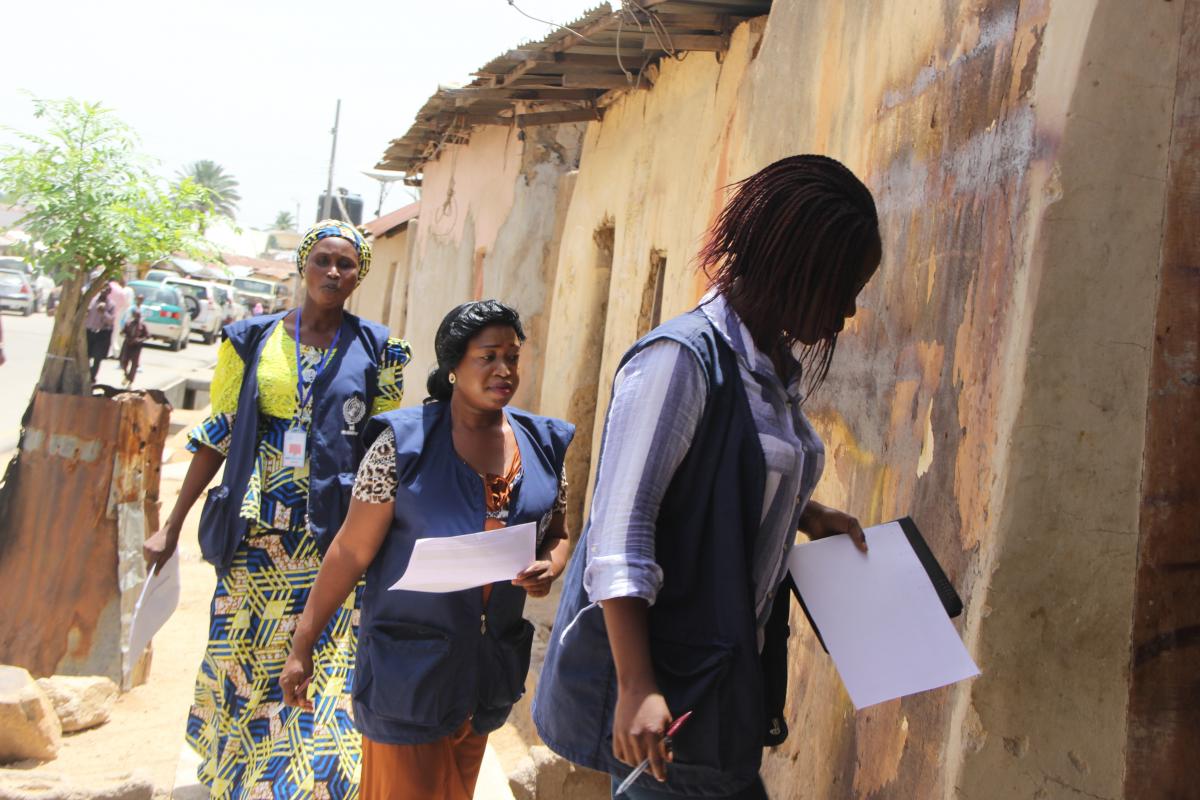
(381, 226)
(569, 75)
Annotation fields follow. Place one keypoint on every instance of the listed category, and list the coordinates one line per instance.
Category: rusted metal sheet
(1164, 697)
(85, 496)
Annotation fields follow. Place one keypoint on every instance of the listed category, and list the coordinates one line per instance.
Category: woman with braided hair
(290, 397)
(706, 472)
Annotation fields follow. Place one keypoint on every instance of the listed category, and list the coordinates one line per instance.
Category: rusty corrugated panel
(86, 494)
(1164, 697)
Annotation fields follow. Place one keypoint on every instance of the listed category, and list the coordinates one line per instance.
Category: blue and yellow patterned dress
(251, 745)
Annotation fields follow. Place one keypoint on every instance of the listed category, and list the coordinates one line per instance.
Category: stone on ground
(81, 702)
(29, 728)
(42, 786)
(545, 775)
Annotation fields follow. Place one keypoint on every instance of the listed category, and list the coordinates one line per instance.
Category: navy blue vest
(334, 446)
(702, 625)
(426, 662)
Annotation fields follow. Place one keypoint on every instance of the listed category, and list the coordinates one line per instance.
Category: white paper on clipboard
(880, 617)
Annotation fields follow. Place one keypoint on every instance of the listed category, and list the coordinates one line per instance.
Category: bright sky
(252, 85)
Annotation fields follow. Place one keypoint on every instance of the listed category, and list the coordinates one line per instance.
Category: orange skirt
(445, 769)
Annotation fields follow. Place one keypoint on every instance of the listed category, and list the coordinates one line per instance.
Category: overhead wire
(567, 28)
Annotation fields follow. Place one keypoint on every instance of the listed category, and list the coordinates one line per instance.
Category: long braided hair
(790, 242)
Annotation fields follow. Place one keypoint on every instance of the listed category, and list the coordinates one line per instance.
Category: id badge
(295, 444)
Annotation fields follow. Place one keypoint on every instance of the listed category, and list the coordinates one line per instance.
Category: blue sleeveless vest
(334, 445)
(702, 625)
(426, 662)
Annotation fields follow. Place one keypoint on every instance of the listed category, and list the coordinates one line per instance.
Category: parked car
(208, 314)
(15, 265)
(43, 288)
(16, 292)
(257, 291)
(234, 310)
(283, 296)
(165, 312)
(159, 275)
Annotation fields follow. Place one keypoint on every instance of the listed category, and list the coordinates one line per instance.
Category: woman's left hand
(820, 521)
(536, 578)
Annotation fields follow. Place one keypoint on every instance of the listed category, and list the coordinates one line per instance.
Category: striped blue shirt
(658, 399)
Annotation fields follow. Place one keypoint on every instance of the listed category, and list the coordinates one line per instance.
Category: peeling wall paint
(996, 381)
(1016, 150)
(488, 228)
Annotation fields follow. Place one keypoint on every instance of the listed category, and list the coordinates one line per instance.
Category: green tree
(284, 221)
(93, 206)
(221, 189)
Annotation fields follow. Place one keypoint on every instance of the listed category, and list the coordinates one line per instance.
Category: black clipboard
(937, 576)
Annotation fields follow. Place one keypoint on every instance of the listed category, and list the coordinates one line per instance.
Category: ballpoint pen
(642, 767)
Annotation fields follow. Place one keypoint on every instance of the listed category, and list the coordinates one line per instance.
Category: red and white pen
(642, 767)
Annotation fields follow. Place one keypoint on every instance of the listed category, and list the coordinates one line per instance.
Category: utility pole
(327, 206)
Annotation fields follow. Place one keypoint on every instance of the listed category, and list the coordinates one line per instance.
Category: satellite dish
(384, 175)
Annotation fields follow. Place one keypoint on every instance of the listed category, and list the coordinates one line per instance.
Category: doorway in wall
(585, 398)
(650, 314)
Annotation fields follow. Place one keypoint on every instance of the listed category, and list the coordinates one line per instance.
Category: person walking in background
(290, 395)
(101, 317)
(437, 672)
(121, 297)
(706, 470)
(134, 334)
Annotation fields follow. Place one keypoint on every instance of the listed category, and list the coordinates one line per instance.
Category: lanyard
(308, 375)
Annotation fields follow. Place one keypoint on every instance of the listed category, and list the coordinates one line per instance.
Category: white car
(207, 312)
(234, 310)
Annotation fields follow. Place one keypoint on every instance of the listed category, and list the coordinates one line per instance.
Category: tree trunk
(65, 370)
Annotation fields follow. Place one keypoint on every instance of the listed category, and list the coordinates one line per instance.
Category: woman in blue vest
(706, 471)
(437, 672)
(289, 399)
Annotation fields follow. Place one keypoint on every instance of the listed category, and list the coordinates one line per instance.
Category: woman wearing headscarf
(437, 672)
(674, 600)
(290, 398)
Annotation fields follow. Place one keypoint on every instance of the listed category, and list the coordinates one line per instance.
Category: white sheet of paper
(453, 563)
(886, 630)
(155, 605)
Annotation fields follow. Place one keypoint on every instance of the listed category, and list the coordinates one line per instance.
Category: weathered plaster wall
(1164, 698)
(994, 384)
(489, 229)
(373, 299)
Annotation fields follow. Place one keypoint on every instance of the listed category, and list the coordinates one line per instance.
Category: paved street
(25, 341)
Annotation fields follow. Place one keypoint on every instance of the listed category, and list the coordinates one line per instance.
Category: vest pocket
(411, 676)
(505, 666)
(691, 678)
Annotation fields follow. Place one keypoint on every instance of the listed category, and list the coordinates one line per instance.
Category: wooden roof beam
(597, 80)
(543, 94)
(558, 117)
(688, 42)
